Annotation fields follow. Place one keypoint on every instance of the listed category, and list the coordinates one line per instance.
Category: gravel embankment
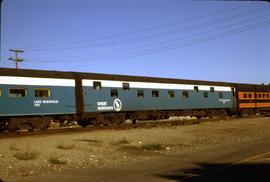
(96, 149)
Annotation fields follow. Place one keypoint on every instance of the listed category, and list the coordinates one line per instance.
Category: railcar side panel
(155, 98)
(253, 98)
(21, 98)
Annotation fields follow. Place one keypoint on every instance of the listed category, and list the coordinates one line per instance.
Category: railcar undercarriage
(117, 118)
(31, 123)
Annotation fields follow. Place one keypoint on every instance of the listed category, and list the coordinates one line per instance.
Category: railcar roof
(98, 76)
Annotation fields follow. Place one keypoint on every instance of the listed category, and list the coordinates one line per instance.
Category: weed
(94, 142)
(153, 147)
(14, 147)
(91, 142)
(27, 154)
(123, 141)
(56, 159)
(65, 146)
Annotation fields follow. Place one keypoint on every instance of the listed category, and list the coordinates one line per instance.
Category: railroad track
(124, 126)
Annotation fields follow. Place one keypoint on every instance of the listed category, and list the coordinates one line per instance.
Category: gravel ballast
(35, 155)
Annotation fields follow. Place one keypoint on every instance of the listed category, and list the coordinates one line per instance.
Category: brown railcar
(253, 98)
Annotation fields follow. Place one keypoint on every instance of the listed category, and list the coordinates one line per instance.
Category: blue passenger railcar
(32, 96)
(111, 95)
(27, 96)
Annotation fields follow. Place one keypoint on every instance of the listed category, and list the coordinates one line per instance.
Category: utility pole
(16, 59)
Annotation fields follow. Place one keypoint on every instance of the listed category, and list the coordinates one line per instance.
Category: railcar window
(263, 95)
(97, 85)
(220, 94)
(140, 93)
(245, 95)
(196, 88)
(40, 92)
(155, 93)
(170, 93)
(205, 94)
(212, 89)
(267, 95)
(114, 93)
(259, 95)
(125, 86)
(17, 92)
(185, 94)
(249, 95)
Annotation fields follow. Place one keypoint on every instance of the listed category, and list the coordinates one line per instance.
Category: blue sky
(186, 39)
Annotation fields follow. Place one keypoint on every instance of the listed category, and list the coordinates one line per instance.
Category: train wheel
(26, 126)
(3, 126)
(82, 123)
(134, 120)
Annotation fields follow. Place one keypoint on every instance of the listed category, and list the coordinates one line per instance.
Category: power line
(188, 44)
(155, 44)
(207, 24)
(266, 23)
(138, 31)
(152, 36)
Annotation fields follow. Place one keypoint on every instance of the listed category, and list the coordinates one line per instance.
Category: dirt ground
(37, 155)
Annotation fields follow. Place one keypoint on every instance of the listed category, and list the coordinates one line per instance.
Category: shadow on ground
(248, 172)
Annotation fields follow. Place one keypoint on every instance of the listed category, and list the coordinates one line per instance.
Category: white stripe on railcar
(149, 85)
(14, 80)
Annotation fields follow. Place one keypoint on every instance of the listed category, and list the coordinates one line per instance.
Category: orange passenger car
(253, 98)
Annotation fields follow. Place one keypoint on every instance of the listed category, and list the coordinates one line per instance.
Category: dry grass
(56, 159)
(144, 144)
(13, 147)
(122, 141)
(153, 146)
(27, 154)
(95, 143)
(65, 146)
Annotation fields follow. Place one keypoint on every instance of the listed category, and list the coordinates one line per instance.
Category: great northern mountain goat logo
(117, 105)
